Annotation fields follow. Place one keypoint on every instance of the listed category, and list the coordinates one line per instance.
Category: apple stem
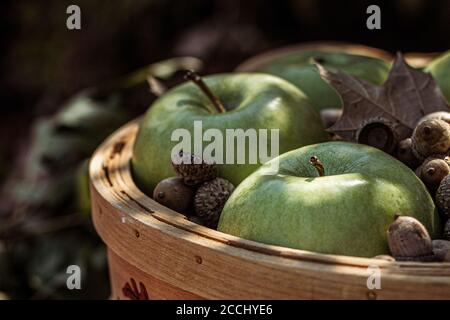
(318, 165)
(195, 77)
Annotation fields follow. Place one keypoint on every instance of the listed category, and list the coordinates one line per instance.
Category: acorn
(447, 230)
(409, 240)
(429, 137)
(441, 115)
(210, 199)
(432, 157)
(193, 169)
(443, 195)
(174, 194)
(441, 249)
(432, 172)
(405, 154)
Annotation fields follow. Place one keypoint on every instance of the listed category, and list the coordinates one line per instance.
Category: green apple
(347, 211)
(440, 69)
(299, 68)
(253, 101)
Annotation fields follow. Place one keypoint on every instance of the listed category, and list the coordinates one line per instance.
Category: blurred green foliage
(47, 226)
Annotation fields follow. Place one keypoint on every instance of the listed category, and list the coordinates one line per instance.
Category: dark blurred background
(42, 227)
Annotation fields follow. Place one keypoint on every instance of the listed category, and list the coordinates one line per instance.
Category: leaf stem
(195, 77)
(318, 165)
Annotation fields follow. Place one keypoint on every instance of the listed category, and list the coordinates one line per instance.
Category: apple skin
(258, 101)
(345, 212)
(440, 69)
(299, 69)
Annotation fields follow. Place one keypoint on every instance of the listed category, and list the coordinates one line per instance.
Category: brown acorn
(432, 173)
(447, 230)
(443, 195)
(441, 248)
(432, 157)
(409, 240)
(405, 154)
(430, 137)
(174, 194)
(193, 169)
(210, 199)
(441, 115)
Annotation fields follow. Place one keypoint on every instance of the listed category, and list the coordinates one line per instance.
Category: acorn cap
(432, 173)
(409, 240)
(210, 199)
(443, 195)
(193, 169)
(441, 248)
(174, 194)
(441, 115)
(447, 230)
(379, 133)
(429, 137)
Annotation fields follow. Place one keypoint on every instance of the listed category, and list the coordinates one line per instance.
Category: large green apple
(440, 69)
(347, 211)
(299, 68)
(254, 101)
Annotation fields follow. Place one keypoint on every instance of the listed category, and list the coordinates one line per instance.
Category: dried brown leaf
(407, 95)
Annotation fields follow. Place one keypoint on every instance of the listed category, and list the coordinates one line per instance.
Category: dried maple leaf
(381, 116)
